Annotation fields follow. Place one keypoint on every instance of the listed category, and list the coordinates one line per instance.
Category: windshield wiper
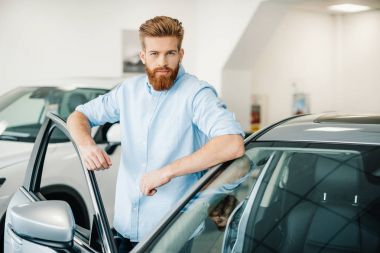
(8, 138)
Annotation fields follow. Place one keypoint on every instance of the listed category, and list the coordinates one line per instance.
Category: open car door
(58, 208)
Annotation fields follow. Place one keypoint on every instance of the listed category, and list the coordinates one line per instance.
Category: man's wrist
(86, 142)
(168, 172)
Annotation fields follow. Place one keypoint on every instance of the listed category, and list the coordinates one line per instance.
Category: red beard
(163, 82)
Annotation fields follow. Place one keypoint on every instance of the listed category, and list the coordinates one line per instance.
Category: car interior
(320, 203)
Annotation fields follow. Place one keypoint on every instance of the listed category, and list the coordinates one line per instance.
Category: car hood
(12, 152)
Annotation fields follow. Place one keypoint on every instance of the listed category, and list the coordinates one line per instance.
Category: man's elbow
(238, 149)
(74, 119)
(71, 119)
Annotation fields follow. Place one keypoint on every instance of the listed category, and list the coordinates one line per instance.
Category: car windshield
(283, 197)
(23, 110)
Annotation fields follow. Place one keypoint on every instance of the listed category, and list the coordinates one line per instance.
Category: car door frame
(33, 179)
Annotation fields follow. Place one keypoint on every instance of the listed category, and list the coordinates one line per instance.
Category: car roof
(330, 127)
(79, 82)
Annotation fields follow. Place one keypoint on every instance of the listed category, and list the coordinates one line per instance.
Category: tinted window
(307, 197)
(23, 110)
(201, 225)
(315, 200)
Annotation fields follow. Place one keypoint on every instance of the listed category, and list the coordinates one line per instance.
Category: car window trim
(243, 223)
(34, 169)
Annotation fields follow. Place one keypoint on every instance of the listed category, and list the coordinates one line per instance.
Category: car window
(35, 103)
(315, 200)
(63, 178)
(18, 125)
(280, 197)
(201, 225)
(22, 104)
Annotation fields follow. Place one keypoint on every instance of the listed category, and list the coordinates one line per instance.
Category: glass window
(201, 225)
(63, 178)
(315, 200)
(16, 112)
(284, 197)
(23, 110)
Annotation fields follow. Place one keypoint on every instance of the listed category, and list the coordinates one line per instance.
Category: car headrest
(76, 99)
(301, 173)
(337, 179)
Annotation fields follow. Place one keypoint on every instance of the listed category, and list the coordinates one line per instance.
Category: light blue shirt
(158, 127)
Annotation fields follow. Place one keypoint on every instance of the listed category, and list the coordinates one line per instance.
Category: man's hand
(94, 158)
(153, 179)
(222, 211)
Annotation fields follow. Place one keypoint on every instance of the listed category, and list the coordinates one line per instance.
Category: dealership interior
(268, 60)
(253, 52)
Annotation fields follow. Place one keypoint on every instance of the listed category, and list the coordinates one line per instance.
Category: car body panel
(14, 152)
(311, 128)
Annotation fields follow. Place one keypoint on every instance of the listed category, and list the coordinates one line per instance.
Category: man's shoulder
(192, 84)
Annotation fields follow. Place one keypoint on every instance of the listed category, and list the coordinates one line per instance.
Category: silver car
(22, 112)
(306, 184)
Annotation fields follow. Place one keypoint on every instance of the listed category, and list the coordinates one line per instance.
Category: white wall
(237, 94)
(221, 23)
(53, 39)
(237, 78)
(358, 88)
(333, 58)
(49, 39)
(300, 52)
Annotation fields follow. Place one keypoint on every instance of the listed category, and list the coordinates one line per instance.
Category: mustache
(162, 69)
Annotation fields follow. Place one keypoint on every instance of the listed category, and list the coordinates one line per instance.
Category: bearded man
(173, 128)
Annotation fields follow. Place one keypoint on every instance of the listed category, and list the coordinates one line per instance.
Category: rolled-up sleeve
(102, 109)
(211, 116)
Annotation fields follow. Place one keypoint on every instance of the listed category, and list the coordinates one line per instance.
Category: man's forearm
(93, 157)
(217, 150)
(79, 129)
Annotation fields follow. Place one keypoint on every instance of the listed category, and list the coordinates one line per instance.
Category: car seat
(270, 232)
(332, 218)
(74, 100)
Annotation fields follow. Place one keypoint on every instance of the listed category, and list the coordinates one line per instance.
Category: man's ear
(181, 53)
(142, 56)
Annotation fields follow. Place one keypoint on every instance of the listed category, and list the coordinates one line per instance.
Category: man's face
(161, 58)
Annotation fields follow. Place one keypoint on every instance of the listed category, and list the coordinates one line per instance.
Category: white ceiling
(322, 5)
(266, 19)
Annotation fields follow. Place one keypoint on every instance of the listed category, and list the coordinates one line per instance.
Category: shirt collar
(181, 72)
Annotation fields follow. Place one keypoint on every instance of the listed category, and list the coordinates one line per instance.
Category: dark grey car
(306, 184)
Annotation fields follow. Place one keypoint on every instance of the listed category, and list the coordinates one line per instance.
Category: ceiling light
(348, 8)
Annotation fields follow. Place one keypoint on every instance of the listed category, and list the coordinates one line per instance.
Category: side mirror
(48, 223)
(113, 138)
